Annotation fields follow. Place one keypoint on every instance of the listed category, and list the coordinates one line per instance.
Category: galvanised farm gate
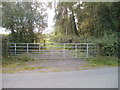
(53, 50)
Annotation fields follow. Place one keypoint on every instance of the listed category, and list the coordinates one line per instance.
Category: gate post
(87, 50)
(39, 48)
(76, 51)
(15, 48)
(64, 51)
(51, 51)
(27, 48)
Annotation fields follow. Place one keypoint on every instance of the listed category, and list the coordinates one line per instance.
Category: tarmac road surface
(92, 78)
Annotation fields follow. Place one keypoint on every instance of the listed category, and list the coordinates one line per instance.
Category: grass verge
(103, 60)
(15, 60)
(12, 64)
(19, 68)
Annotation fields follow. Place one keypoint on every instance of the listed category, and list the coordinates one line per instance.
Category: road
(92, 78)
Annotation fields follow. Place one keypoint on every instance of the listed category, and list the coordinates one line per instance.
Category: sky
(48, 30)
(51, 23)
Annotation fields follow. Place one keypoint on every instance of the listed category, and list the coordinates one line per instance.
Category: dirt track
(57, 61)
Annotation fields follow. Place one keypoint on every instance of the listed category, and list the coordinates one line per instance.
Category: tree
(22, 18)
(65, 18)
(95, 19)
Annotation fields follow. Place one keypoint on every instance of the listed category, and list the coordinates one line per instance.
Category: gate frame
(64, 47)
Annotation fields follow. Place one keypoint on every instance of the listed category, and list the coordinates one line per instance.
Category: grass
(15, 69)
(29, 68)
(16, 60)
(85, 68)
(99, 60)
(56, 70)
(12, 64)
(103, 60)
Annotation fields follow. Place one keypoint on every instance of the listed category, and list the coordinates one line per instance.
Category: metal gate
(53, 50)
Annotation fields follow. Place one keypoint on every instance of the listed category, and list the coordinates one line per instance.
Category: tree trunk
(74, 23)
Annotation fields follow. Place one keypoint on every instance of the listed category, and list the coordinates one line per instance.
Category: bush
(5, 40)
(109, 49)
(108, 45)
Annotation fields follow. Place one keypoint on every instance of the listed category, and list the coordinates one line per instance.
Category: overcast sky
(51, 14)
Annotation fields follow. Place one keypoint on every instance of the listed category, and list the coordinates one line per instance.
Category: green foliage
(93, 19)
(5, 40)
(110, 49)
(22, 18)
(96, 23)
(108, 45)
(65, 38)
(104, 60)
(65, 19)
